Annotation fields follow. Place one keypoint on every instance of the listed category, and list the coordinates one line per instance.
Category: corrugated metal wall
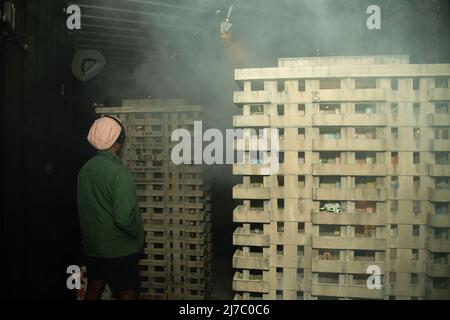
(39, 227)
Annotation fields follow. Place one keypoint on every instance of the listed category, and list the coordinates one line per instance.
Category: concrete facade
(370, 133)
(174, 202)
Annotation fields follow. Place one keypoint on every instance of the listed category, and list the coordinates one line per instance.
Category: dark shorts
(122, 274)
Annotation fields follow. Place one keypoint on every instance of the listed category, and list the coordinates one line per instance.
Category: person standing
(112, 234)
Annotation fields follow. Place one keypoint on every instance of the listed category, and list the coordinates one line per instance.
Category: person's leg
(128, 295)
(124, 277)
(95, 289)
(96, 278)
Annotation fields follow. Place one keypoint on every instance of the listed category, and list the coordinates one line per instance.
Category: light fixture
(225, 26)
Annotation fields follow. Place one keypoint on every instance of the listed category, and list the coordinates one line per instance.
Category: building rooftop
(151, 105)
(343, 60)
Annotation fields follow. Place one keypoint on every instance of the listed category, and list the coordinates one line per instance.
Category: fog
(188, 58)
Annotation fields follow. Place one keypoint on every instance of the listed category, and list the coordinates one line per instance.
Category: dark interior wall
(46, 114)
(42, 152)
(44, 125)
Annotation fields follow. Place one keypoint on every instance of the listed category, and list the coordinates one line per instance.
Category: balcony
(251, 97)
(439, 220)
(155, 228)
(437, 145)
(337, 266)
(195, 286)
(355, 95)
(198, 252)
(152, 273)
(439, 170)
(199, 228)
(292, 144)
(194, 216)
(194, 205)
(325, 144)
(438, 245)
(354, 194)
(148, 181)
(191, 181)
(299, 120)
(146, 193)
(150, 251)
(147, 168)
(331, 169)
(351, 291)
(148, 145)
(253, 238)
(257, 120)
(143, 122)
(198, 240)
(359, 119)
(194, 193)
(242, 214)
(438, 294)
(356, 243)
(139, 133)
(439, 195)
(439, 120)
(439, 94)
(438, 270)
(153, 262)
(251, 192)
(349, 218)
(250, 261)
(248, 285)
(250, 169)
(192, 168)
(194, 264)
(189, 121)
(253, 143)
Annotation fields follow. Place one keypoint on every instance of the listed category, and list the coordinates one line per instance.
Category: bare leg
(128, 295)
(95, 289)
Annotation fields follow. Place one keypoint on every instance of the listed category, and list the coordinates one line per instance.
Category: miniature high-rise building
(364, 180)
(174, 202)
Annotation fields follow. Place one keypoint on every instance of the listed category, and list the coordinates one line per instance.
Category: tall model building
(364, 180)
(173, 200)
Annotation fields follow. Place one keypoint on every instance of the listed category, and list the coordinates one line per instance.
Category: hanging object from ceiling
(225, 26)
(87, 64)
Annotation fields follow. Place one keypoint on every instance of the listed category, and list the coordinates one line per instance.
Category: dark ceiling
(128, 32)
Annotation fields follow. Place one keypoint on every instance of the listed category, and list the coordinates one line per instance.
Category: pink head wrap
(104, 133)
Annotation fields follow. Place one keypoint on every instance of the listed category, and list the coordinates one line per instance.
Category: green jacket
(108, 211)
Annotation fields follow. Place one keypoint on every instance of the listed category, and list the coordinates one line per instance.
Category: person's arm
(125, 207)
